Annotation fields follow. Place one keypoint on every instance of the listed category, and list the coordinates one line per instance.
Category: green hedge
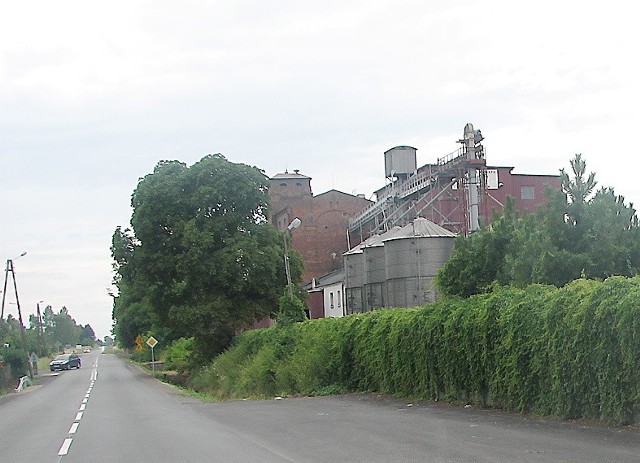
(571, 352)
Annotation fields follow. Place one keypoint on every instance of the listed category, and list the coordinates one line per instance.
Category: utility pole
(23, 335)
(41, 352)
(9, 268)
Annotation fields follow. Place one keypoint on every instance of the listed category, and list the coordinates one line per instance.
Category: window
(331, 300)
(527, 192)
(339, 300)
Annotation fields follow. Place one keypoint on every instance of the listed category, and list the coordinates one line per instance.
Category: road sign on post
(33, 360)
(151, 342)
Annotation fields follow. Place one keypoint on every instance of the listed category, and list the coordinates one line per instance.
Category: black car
(65, 362)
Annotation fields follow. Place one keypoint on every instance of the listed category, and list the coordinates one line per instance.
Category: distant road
(109, 411)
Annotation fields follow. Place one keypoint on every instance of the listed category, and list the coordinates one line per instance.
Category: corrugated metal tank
(412, 258)
(375, 276)
(354, 277)
(399, 161)
(354, 280)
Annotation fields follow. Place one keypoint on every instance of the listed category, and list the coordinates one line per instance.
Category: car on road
(65, 362)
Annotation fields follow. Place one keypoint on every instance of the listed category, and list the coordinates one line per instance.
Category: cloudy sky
(93, 95)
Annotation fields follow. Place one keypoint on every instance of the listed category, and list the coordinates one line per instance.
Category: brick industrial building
(458, 193)
(321, 238)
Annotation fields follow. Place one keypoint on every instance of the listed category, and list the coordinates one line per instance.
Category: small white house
(326, 295)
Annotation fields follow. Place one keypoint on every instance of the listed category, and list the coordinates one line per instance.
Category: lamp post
(295, 223)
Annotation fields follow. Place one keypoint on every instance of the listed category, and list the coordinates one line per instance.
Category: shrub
(572, 352)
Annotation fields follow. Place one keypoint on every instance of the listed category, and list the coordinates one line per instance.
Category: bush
(16, 360)
(179, 355)
(572, 352)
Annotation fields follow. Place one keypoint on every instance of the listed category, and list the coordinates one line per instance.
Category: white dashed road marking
(64, 449)
(65, 446)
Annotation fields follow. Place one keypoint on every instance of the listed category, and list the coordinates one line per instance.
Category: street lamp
(295, 223)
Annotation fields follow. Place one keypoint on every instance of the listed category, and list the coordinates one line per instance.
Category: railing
(416, 183)
(410, 186)
(373, 210)
(453, 156)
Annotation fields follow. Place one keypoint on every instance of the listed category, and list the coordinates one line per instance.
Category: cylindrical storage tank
(354, 280)
(412, 259)
(400, 161)
(375, 276)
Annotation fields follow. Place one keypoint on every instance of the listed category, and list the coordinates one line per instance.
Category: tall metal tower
(448, 193)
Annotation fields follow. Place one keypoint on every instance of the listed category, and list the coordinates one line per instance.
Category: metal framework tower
(448, 193)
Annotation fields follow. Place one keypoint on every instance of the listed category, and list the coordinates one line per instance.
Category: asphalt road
(109, 411)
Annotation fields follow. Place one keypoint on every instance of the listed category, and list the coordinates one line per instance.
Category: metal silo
(412, 258)
(354, 278)
(375, 274)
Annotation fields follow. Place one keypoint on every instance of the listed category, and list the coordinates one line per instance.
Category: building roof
(422, 228)
(401, 147)
(373, 240)
(342, 193)
(289, 176)
(378, 240)
(337, 276)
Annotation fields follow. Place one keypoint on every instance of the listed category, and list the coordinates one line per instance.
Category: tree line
(578, 232)
(55, 332)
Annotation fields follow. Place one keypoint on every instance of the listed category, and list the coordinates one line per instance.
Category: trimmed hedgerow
(571, 352)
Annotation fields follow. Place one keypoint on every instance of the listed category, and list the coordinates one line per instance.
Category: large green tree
(202, 260)
(575, 233)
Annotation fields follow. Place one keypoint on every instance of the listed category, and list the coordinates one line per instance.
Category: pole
(295, 223)
(286, 265)
(153, 362)
(40, 333)
(23, 335)
(4, 291)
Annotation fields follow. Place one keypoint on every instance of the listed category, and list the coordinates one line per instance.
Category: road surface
(110, 411)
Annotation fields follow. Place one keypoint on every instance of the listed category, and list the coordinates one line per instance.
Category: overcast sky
(94, 94)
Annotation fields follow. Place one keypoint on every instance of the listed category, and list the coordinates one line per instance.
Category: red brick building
(321, 239)
(527, 191)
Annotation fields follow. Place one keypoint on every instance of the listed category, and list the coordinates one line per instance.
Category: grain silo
(354, 278)
(375, 274)
(412, 258)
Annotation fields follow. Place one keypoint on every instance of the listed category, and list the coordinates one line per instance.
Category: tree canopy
(201, 259)
(576, 233)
